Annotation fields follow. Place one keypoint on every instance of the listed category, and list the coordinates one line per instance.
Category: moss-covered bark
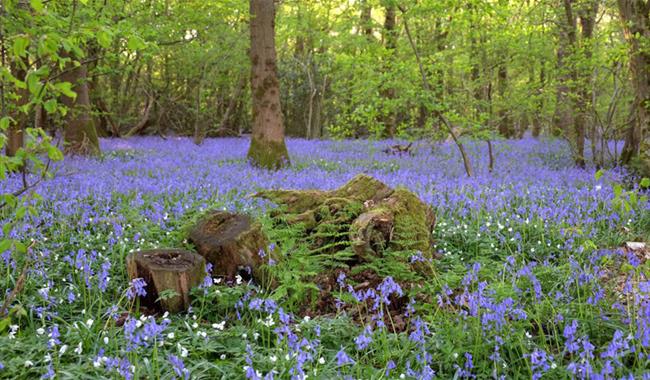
(270, 155)
(364, 216)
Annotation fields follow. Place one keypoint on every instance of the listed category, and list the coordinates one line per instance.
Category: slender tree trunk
(506, 127)
(390, 42)
(16, 132)
(636, 25)
(587, 23)
(267, 149)
(79, 133)
(539, 106)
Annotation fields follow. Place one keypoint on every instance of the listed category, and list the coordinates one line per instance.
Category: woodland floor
(531, 282)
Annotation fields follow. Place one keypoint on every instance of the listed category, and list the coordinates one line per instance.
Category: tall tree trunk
(390, 42)
(506, 127)
(563, 116)
(587, 16)
(79, 134)
(636, 25)
(267, 149)
(539, 106)
(16, 132)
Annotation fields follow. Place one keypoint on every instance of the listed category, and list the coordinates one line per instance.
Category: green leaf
(50, 106)
(104, 39)
(37, 5)
(5, 245)
(20, 212)
(20, 247)
(135, 43)
(33, 84)
(5, 122)
(599, 174)
(618, 190)
(66, 89)
(20, 46)
(54, 153)
(645, 182)
(4, 324)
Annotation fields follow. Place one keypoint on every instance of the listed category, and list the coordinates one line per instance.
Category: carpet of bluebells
(532, 283)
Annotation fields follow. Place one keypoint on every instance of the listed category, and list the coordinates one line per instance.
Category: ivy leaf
(20, 46)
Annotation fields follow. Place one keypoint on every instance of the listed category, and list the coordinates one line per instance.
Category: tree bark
(268, 149)
(563, 117)
(167, 270)
(79, 134)
(636, 26)
(16, 131)
(390, 42)
(506, 127)
(539, 106)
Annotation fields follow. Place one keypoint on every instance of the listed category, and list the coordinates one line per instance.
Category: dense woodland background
(368, 68)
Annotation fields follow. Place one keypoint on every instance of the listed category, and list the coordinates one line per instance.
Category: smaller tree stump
(173, 270)
(231, 243)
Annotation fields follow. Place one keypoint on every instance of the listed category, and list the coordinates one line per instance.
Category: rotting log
(171, 273)
(365, 215)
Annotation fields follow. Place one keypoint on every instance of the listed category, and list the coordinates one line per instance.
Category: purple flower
(136, 288)
(362, 341)
(179, 367)
(342, 358)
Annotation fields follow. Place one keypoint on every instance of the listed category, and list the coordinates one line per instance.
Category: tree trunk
(16, 131)
(587, 22)
(390, 41)
(79, 134)
(170, 275)
(539, 106)
(268, 149)
(506, 127)
(563, 116)
(636, 25)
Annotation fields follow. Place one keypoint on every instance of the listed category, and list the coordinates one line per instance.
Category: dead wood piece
(399, 149)
(231, 243)
(364, 214)
(170, 274)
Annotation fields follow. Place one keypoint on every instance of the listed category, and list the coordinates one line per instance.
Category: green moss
(269, 155)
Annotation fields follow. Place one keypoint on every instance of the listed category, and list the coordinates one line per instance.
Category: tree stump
(232, 244)
(364, 216)
(170, 274)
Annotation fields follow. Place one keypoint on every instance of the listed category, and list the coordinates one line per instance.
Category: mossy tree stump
(365, 215)
(232, 244)
(170, 274)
